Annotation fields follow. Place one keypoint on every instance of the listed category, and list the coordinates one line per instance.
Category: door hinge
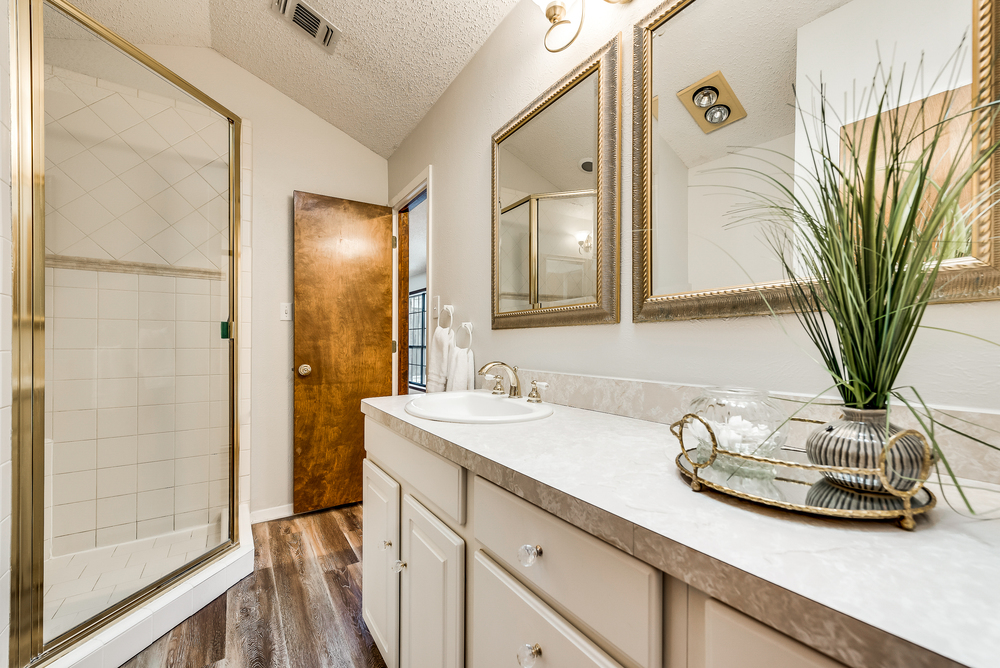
(393, 241)
(393, 346)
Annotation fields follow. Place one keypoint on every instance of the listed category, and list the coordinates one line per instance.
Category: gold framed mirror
(555, 202)
(691, 256)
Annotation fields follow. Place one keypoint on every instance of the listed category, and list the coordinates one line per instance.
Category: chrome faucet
(515, 382)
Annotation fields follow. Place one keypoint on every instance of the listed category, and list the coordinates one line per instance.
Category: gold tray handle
(677, 429)
(906, 521)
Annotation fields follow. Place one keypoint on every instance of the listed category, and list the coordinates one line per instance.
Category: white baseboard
(268, 514)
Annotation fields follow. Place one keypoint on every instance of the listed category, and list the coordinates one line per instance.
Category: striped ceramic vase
(856, 440)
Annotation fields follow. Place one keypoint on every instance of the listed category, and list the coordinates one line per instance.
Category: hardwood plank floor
(301, 607)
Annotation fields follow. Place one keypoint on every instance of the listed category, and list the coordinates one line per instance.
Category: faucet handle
(534, 397)
(498, 386)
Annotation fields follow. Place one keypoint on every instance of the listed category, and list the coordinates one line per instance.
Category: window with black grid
(418, 339)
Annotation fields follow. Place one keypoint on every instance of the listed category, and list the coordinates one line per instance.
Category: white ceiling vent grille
(325, 34)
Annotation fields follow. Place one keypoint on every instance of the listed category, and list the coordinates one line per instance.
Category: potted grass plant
(863, 237)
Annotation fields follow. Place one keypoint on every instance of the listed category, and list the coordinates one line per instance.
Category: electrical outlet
(286, 312)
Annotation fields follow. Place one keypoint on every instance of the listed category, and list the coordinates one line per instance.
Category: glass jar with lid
(743, 420)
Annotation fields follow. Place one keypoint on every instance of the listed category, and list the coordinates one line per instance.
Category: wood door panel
(403, 336)
(343, 330)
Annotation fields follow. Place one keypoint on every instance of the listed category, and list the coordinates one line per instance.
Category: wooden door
(343, 332)
(432, 610)
(403, 317)
(380, 547)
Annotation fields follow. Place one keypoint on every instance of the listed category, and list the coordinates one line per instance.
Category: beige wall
(510, 70)
(293, 149)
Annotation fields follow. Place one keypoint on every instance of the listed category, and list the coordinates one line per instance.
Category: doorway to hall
(413, 298)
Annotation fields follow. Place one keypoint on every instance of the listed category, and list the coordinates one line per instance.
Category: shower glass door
(138, 436)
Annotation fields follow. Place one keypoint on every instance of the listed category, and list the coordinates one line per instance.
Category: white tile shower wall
(6, 324)
(138, 396)
(132, 176)
(131, 354)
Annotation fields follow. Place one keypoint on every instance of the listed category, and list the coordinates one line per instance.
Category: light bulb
(717, 114)
(705, 97)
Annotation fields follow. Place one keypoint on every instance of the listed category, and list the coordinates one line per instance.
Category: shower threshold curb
(133, 633)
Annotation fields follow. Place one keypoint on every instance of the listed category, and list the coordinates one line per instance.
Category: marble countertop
(840, 586)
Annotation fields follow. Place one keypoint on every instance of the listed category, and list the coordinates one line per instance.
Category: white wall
(293, 150)
(722, 250)
(844, 47)
(669, 185)
(510, 70)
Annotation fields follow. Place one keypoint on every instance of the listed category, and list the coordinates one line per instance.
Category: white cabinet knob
(526, 655)
(528, 554)
(398, 566)
(386, 544)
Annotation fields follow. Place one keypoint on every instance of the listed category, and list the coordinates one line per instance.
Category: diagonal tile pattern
(134, 177)
(81, 585)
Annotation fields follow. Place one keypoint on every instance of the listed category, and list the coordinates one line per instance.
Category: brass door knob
(305, 369)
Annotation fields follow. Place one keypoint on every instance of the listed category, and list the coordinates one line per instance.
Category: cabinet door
(380, 549)
(721, 637)
(432, 615)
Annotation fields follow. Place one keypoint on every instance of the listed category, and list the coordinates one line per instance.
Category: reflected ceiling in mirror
(696, 253)
(555, 203)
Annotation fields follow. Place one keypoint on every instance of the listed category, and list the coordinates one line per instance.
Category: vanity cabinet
(459, 570)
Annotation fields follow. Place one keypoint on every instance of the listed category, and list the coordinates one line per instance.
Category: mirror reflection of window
(697, 178)
(548, 203)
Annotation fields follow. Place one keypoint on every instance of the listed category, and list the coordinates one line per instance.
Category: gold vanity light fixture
(586, 241)
(556, 12)
(712, 102)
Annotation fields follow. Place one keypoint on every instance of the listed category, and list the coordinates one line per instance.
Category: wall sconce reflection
(586, 241)
(557, 11)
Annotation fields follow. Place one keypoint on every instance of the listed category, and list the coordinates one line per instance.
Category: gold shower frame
(605, 310)
(968, 279)
(28, 340)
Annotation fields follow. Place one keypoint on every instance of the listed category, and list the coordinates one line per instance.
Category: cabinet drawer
(611, 594)
(508, 616)
(440, 481)
(720, 637)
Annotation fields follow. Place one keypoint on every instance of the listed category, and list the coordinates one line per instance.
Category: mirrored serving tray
(799, 490)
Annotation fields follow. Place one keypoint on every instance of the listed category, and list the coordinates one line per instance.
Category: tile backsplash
(667, 402)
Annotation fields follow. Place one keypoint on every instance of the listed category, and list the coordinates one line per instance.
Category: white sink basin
(475, 408)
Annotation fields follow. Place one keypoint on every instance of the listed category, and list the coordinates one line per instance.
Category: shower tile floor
(80, 585)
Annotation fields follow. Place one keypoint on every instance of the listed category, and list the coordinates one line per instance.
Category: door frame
(420, 183)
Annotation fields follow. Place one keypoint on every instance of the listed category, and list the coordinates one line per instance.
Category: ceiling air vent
(325, 34)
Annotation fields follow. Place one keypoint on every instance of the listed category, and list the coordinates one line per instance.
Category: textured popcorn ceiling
(396, 57)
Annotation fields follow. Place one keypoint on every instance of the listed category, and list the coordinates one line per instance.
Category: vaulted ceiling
(394, 60)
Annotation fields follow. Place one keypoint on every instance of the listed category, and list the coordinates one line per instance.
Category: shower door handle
(304, 369)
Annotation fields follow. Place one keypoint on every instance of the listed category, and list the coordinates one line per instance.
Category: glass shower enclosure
(132, 263)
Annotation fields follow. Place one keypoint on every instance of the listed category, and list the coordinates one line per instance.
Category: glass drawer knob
(398, 566)
(527, 654)
(386, 544)
(528, 554)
